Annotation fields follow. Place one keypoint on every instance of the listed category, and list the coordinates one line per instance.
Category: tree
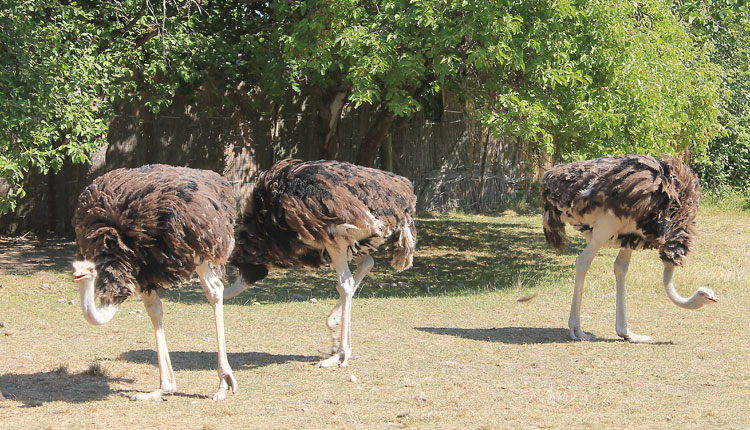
(725, 26)
(63, 65)
(571, 78)
(597, 78)
(575, 79)
(56, 66)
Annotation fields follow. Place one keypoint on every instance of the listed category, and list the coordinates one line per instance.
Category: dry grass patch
(447, 344)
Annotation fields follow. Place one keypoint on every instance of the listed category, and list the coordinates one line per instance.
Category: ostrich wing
(322, 195)
(298, 208)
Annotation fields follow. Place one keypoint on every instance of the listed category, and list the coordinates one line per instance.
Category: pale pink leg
(166, 374)
(214, 289)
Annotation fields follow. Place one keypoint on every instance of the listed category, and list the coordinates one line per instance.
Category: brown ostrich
(139, 230)
(631, 202)
(321, 213)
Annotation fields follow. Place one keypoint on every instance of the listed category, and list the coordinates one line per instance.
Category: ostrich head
(702, 296)
(85, 274)
(705, 295)
(83, 270)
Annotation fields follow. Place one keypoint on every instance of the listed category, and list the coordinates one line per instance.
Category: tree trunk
(331, 103)
(556, 150)
(485, 136)
(368, 149)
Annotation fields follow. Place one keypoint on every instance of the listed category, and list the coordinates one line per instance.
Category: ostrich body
(139, 230)
(325, 213)
(631, 202)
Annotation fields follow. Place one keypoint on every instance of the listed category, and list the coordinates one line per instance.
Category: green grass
(457, 254)
(726, 200)
(446, 344)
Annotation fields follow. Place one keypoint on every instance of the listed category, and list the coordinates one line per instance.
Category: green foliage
(725, 25)
(232, 45)
(724, 199)
(56, 66)
(579, 79)
(572, 78)
(586, 79)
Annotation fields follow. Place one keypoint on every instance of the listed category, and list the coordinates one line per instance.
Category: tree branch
(144, 37)
(129, 26)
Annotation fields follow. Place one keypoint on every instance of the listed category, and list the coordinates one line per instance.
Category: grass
(96, 369)
(446, 344)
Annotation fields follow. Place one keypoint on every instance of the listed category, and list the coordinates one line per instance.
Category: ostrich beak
(80, 275)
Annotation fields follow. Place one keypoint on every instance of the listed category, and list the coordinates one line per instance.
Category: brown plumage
(661, 196)
(325, 213)
(630, 202)
(142, 229)
(295, 207)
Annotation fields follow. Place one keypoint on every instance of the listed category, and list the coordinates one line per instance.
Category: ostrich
(631, 202)
(325, 213)
(142, 229)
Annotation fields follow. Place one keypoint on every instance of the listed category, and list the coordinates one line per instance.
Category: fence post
(386, 154)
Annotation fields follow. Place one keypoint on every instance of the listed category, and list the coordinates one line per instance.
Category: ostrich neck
(674, 296)
(96, 315)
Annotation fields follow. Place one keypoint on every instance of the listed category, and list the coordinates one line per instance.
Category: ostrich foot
(227, 382)
(339, 359)
(576, 333)
(154, 396)
(636, 338)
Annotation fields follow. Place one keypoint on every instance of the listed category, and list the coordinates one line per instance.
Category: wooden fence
(452, 162)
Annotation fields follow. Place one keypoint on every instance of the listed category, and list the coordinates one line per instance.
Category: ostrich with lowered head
(321, 213)
(631, 202)
(139, 230)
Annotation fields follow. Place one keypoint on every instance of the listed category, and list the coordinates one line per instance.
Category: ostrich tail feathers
(554, 228)
(251, 273)
(403, 248)
(557, 239)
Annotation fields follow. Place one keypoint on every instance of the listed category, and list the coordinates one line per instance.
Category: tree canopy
(725, 25)
(574, 79)
(59, 75)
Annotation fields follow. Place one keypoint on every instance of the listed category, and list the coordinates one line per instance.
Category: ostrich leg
(621, 322)
(346, 287)
(166, 374)
(606, 227)
(364, 264)
(214, 289)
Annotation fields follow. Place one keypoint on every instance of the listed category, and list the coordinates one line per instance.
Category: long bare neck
(691, 302)
(96, 315)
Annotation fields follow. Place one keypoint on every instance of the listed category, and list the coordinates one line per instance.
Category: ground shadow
(516, 335)
(23, 256)
(511, 335)
(38, 388)
(453, 256)
(204, 360)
